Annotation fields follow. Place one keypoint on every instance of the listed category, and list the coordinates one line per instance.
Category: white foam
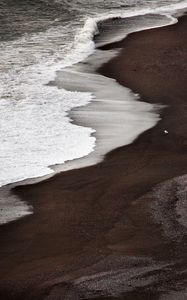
(39, 134)
(35, 130)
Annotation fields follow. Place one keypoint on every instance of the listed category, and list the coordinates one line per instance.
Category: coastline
(89, 230)
(110, 101)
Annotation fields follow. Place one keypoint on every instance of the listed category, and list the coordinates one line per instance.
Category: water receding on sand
(35, 128)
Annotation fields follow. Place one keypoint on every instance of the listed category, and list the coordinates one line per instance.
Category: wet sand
(116, 230)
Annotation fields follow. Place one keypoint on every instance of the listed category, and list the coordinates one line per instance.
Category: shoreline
(89, 232)
(130, 116)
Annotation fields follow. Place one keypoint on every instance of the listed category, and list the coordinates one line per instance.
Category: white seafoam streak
(35, 129)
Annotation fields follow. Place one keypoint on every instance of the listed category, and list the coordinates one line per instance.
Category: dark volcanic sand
(101, 232)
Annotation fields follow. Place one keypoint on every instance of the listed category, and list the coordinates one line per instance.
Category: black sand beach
(116, 230)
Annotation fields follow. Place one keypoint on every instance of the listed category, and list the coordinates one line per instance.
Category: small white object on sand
(165, 131)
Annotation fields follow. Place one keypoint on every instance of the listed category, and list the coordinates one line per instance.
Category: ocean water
(40, 42)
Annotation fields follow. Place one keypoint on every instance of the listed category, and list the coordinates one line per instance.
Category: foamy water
(35, 130)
